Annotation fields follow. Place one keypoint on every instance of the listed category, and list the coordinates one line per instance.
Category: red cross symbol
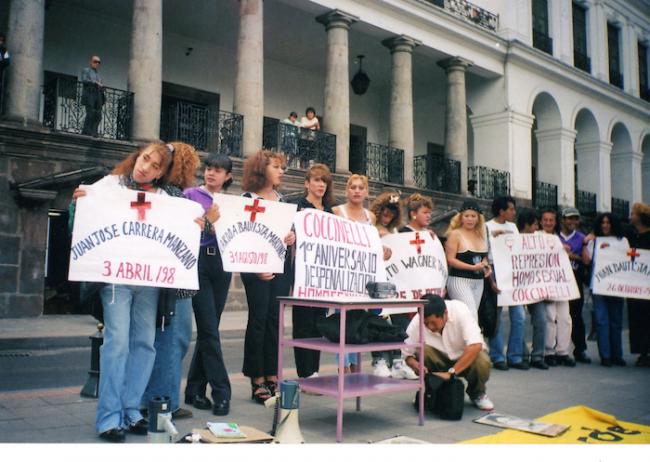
(417, 241)
(632, 253)
(254, 209)
(141, 205)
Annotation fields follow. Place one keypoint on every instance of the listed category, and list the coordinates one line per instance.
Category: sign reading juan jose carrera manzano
(138, 238)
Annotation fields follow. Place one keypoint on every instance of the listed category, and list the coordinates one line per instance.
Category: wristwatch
(451, 371)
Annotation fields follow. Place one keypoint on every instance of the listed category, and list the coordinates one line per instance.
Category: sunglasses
(96, 61)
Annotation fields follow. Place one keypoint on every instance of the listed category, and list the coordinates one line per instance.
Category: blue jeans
(127, 355)
(609, 326)
(515, 339)
(171, 346)
(538, 319)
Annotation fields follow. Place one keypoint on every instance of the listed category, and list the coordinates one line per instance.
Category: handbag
(487, 310)
(444, 398)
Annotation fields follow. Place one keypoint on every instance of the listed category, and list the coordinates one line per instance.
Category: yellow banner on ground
(588, 426)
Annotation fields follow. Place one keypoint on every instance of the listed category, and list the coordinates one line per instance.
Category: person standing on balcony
(289, 132)
(310, 121)
(92, 96)
(5, 59)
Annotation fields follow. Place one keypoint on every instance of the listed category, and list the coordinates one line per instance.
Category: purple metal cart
(356, 385)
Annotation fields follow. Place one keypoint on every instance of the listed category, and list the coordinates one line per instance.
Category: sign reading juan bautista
(619, 270)
(335, 257)
(532, 267)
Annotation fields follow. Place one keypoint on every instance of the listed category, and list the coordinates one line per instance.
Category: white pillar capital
(401, 43)
(564, 134)
(454, 64)
(337, 19)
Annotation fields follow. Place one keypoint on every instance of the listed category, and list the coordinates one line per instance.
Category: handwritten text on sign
(335, 257)
(417, 266)
(129, 237)
(531, 268)
(251, 233)
(619, 270)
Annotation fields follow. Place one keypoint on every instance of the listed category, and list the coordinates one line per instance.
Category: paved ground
(59, 415)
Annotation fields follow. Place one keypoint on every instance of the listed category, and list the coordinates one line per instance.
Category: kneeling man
(453, 346)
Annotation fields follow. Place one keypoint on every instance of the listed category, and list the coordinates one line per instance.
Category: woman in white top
(309, 120)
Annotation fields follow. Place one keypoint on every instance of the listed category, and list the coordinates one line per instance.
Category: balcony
(301, 146)
(581, 61)
(586, 202)
(469, 12)
(545, 195)
(620, 208)
(204, 127)
(487, 183)
(64, 109)
(383, 163)
(437, 173)
(616, 78)
(542, 42)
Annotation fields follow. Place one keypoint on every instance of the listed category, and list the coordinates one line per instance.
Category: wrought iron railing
(581, 61)
(204, 127)
(383, 163)
(437, 173)
(487, 183)
(68, 104)
(586, 202)
(302, 146)
(543, 42)
(620, 208)
(469, 12)
(616, 78)
(544, 195)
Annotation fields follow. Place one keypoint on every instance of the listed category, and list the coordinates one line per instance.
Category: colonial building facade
(546, 100)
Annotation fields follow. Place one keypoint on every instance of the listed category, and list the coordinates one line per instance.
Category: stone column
(145, 68)
(626, 169)
(336, 113)
(597, 32)
(556, 164)
(456, 115)
(594, 172)
(561, 23)
(25, 74)
(249, 80)
(401, 100)
(629, 42)
(645, 175)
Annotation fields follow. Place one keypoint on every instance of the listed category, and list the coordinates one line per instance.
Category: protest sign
(417, 266)
(620, 271)
(531, 268)
(251, 233)
(335, 257)
(121, 236)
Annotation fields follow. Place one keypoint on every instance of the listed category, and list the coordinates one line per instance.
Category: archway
(625, 170)
(592, 177)
(645, 169)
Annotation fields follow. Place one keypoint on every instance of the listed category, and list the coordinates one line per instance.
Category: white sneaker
(483, 403)
(381, 369)
(313, 376)
(401, 370)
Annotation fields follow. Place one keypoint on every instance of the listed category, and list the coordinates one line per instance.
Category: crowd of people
(141, 358)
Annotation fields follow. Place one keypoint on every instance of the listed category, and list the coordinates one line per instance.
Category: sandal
(260, 392)
(272, 385)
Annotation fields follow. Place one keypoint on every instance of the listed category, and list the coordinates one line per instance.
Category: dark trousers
(207, 363)
(639, 320)
(304, 326)
(261, 343)
(92, 120)
(578, 324)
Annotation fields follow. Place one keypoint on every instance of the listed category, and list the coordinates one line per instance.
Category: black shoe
(551, 360)
(642, 361)
(199, 402)
(114, 435)
(618, 362)
(139, 428)
(522, 365)
(540, 364)
(566, 361)
(221, 407)
(500, 366)
(582, 358)
(606, 362)
(182, 413)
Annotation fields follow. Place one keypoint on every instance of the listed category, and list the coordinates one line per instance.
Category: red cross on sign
(632, 253)
(417, 242)
(254, 209)
(141, 205)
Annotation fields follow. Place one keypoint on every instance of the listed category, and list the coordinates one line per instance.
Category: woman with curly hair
(262, 178)
(387, 209)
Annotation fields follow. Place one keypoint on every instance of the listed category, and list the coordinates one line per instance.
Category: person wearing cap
(638, 309)
(574, 241)
(466, 250)
(453, 347)
(92, 96)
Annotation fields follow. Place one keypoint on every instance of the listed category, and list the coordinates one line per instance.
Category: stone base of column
(22, 121)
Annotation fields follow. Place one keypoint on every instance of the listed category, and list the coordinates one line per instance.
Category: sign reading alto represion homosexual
(620, 271)
(335, 257)
(138, 238)
(531, 268)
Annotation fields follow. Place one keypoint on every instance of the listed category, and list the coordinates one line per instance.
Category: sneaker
(313, 376)
(381, 369)
(182, 413)
(401, 370)
(483, 403)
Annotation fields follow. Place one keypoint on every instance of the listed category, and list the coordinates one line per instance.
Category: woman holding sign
(639, 310)
(262, 178)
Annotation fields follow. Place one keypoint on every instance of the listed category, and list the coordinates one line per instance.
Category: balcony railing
(586, 202)
(383, 163)
(616, 78)
(204, 127)
(67, 100)
(469, 12)
(620, 208)
(543, 42)
(437, 173)
(545, 195)
(581, 61)
(301, 145)
(487, 183)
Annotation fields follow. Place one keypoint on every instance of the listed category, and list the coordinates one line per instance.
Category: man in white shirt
(453, 346)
